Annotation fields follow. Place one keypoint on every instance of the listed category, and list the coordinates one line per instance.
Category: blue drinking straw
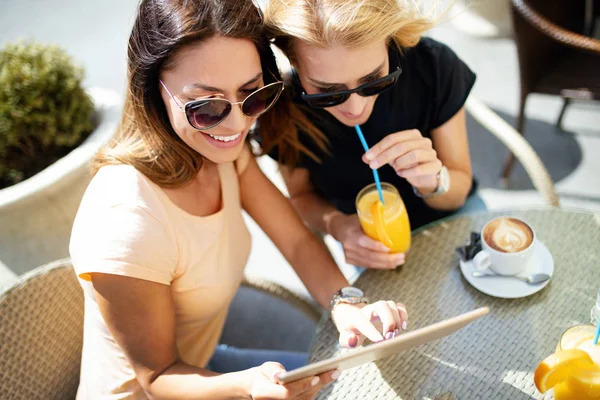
(597, 333)
(361, 137)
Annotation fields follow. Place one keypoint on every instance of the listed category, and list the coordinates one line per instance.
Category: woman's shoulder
(120, 185)
(430, 54)
(449, 79)
(121, 228)
(431, 45)
(116, 171)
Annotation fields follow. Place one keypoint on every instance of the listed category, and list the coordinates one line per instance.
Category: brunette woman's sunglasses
(203, 114)
(332, 99)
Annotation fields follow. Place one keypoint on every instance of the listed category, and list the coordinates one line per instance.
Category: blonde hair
(349, 23)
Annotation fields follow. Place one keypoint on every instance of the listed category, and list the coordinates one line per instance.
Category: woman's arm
(141, 317)
(273, 212)
(314, 210)
(452, 147)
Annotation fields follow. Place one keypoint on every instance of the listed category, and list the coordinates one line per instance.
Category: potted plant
(50, 127)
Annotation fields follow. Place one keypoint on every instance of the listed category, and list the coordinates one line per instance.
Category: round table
(493, 358)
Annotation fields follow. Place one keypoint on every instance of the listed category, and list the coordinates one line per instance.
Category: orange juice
(574, 379)
(395, 227)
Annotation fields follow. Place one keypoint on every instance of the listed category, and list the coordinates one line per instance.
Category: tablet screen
(386, 348)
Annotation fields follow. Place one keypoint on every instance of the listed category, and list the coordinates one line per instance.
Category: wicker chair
(517, 145)
(555, 56)
(41, 325)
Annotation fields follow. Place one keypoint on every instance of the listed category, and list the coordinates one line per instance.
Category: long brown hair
(350, 23)
(145, 138)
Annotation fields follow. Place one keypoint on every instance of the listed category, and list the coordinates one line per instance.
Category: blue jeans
(474, 203)
(230, 359)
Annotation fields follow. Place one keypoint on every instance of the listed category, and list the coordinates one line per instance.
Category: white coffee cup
(512, 242)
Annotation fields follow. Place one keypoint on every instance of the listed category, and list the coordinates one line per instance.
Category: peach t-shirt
(126, 225)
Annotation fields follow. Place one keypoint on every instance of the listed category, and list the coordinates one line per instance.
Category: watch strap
(438, 191)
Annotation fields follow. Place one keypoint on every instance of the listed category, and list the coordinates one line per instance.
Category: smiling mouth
(225, 139)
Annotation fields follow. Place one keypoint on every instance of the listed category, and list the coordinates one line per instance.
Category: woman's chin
(221, 155)
(217, 152)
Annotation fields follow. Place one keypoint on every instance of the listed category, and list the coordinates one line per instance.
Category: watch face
(352, 292)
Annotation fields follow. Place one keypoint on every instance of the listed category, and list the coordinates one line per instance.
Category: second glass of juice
(580, 337)
(395, 218)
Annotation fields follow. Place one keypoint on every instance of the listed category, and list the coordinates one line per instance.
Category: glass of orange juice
(390, 225)
(574, 370)
(577, 336)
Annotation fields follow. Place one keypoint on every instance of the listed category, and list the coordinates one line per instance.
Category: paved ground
(95, 33)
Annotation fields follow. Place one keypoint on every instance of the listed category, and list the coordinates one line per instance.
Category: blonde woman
(159, 243)
(364, 63)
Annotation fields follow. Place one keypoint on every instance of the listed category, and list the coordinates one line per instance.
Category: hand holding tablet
(385, 348)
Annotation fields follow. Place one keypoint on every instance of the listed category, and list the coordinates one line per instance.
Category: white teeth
(225, 138)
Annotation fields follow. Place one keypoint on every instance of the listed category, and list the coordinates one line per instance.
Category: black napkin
(469, 251)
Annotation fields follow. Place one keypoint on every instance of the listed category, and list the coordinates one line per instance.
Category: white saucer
(510, 288)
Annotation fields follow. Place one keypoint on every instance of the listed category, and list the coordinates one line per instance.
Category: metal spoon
(531, 279)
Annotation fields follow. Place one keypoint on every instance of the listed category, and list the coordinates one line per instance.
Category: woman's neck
(201, 196)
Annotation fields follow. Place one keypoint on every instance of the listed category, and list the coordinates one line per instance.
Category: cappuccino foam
(508, 235)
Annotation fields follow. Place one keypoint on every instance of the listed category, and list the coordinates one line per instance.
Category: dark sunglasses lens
(261, 100)
(331, 100)
(207, 113)
(377, 87)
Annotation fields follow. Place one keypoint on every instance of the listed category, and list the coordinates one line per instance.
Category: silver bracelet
(348, 295)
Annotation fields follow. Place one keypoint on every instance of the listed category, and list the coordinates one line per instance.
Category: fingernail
(275, 375)
(396, 332)
(353, 341)
(374, 164)
(400, 259)
(336, 374)
(403, 325)
(369, 156)
(389, 335)
(314, 381)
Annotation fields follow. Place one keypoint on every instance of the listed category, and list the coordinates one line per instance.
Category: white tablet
(384, 348)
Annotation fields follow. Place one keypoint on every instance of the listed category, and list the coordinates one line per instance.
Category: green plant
(44, 111)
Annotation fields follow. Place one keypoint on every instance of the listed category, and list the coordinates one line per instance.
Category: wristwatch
(348, 295)
(443, 178)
